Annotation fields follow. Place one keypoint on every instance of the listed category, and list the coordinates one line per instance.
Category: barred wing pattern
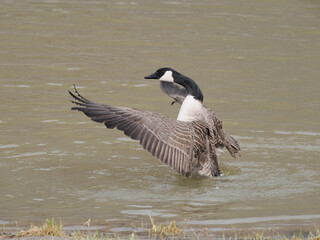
(222, 137)
(172, 141)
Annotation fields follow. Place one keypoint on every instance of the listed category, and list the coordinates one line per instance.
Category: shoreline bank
(52, 229)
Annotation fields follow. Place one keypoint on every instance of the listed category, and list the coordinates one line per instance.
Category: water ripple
(253, 219)
(28, 154)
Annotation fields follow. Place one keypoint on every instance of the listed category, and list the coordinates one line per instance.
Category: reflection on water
(256, 62)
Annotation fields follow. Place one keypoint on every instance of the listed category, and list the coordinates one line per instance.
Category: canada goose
(187, 144)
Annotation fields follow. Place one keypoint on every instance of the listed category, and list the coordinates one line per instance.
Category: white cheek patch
(167, 77)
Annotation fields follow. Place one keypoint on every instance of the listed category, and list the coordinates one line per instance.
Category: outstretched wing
(167, 139)
(174, 91)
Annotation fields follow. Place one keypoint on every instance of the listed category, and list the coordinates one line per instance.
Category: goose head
(163, 74)
(167, 74)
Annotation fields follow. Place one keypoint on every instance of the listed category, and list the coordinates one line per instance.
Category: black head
(163, 74)
(170, 75)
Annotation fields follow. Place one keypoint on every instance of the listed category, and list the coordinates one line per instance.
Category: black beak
(152, 76)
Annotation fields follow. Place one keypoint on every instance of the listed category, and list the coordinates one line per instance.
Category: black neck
(191, 87)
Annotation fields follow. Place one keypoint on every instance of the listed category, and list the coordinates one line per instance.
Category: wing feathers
(222, 137)
(169, 153)
(165, 154)
(167, 139)
(174, 91)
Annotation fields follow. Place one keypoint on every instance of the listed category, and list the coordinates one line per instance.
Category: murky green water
(257, 63)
